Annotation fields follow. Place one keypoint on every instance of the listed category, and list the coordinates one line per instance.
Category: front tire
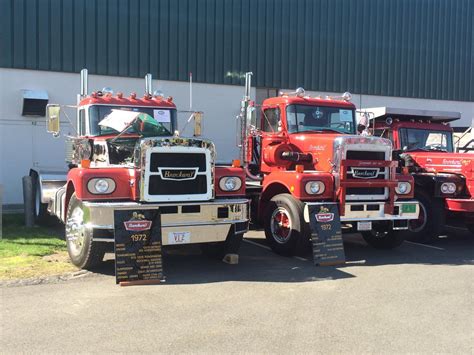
(430, 223)
(384, 238)
(285, 229)
(83, 251)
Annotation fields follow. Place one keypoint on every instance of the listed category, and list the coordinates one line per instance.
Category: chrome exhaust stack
(148, 85)
(84, 83)
(245, 122)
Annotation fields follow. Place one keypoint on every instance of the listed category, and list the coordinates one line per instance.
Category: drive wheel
(384, 238)
(83, 251)
(430, 223)
(285, 229)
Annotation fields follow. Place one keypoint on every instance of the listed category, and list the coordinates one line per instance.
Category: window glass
(82, 122)
(413, 139)
(271, 119)
(304, 118)
(159, 122)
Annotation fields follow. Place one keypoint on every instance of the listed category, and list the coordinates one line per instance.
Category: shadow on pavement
(186, 265)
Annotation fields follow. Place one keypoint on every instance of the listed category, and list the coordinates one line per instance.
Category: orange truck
(444, 180)
(128, 155)
(301, 151)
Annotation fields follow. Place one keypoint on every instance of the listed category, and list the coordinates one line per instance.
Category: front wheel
(83, 251)
(285, 229)
(430, 222)
(384, 238)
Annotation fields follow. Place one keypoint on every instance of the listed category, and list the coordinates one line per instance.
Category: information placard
(326, 236)
(138, 257)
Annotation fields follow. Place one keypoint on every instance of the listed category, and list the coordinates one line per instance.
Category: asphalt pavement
(417, 298)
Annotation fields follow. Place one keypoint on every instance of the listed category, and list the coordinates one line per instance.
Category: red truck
(128, 155)
(444, 179)
(303, 151)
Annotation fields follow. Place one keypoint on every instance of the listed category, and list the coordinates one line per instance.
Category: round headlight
(101, 186)
(448, 187)
(314, 187)
(230, 183)
(403, 188)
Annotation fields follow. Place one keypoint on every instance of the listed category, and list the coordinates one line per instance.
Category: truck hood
(442, 162)
(322, 145)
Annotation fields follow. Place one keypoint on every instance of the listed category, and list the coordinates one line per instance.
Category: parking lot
(418, 298)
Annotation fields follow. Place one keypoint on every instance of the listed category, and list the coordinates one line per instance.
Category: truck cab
(423, 144)
(301, 151)
(128, 155)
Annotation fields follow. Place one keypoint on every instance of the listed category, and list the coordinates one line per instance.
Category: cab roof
(406, 114)
(306, 100)
(128, 101)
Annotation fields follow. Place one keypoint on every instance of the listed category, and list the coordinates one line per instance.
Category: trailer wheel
(42, 216)
(384, 238)
(430, 223)
(83, 251)
(220, 249)
(285, 229)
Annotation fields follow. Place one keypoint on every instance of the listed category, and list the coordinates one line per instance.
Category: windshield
(413, 139)
(153, 121)
(304, 118)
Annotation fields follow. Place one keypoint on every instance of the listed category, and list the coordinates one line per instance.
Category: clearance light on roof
(158, 94)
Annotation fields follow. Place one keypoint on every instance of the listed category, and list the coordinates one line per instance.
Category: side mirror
(197, 124)
(52, 119)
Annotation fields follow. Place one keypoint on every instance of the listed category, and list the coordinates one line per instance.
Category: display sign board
(326, 236)
(138, 257)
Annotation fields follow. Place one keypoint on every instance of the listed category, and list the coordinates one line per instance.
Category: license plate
(179, 237)
(364, 226)
(408, 208)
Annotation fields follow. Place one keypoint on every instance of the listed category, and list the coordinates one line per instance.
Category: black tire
(384, 239)
(470, 228)
(42, 216)
(220, 249)
(431, 221)
(293, 238)
(83, 251)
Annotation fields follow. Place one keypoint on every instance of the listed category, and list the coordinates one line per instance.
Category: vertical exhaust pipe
(148, 85)
(84, 84)
(245, 122)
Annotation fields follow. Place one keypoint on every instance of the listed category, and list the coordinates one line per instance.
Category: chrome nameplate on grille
(367, 173)
(178, 173)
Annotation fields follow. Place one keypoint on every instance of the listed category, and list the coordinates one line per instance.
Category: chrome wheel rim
(417, 225)
(76, 231)
(281, 225)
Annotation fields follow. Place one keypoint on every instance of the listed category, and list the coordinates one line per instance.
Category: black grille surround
(364, 155)
(177, 160)
(177, 174)
(159, 186)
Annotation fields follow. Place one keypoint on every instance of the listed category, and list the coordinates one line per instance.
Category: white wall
(24, 142)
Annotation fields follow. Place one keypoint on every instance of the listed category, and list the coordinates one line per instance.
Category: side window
(271, 119)
(82, 122)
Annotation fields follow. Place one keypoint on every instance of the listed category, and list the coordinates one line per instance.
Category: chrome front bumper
(204, 221)
(371, 211)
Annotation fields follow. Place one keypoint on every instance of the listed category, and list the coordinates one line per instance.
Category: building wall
(24, 142)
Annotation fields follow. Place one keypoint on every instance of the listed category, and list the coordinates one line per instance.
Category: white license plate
(179, 237)
(364, 226)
